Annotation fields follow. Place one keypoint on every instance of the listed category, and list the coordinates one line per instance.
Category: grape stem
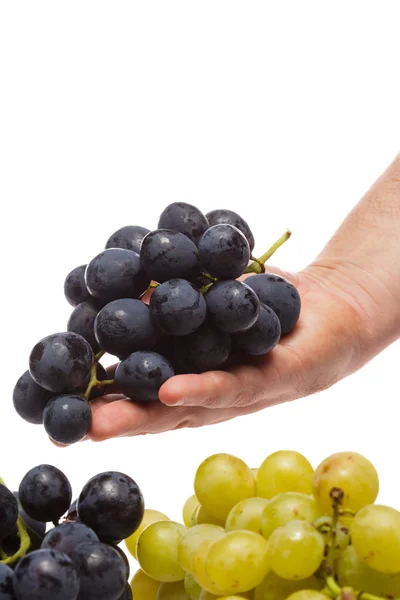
(343, 594)
(153, 285)
(205, 288)
(93, 382)
(258, 264)
(25, 542)
(99, 355)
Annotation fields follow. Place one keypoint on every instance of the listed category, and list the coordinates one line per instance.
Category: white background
(284, 111)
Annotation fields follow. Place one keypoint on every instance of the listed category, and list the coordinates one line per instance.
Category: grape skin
(192, 588)
(286, 507)
(232, 306)
(247, 514)
(8, 511)
(6, 583)
(207, 349)
(127, 593)
(75, 289)
(149, 517)
(141, 375)
(168, 255)
(144, 587)
(262, 337)
(45, 493)
(185, 218)
(129, 238)
(177, 308)
(172, 591)
(30, 399)
(192, 540)
(229, 217)
(284, 471)
(224, 252)
(82, 321)
(65, 537)
(201, 516)
(157, 551)
(355, 573)
(275, 588)
(307, 595)
(188, 508)
(67, 419)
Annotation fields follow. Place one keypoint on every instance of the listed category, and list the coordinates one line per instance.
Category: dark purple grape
(128, 238)
(65, 537)
(67, 419)
(30, 399)
(8, 511)
(46, 575)
(206, 349)
(116, 273)
(229, 217)
(140, 375)
(125, 326)
(167, 254)
(45, 493)
(280, 295)
(224, 252)
(232, 305)
(185, 218)
(262, 337)
(75, 289)
(61, 362)
(124, 560)
(82, 320)
(177, 308)
(11, 544)
(38, 527)
(111, 504)
(126, 594)
(98, 390)
(102, 571)
(6, 583)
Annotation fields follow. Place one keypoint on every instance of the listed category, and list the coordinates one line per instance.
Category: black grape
(82, 320)
(124, 326)
(206, 349)
(45, 493)
(128, 238)
(124, 560)
(38, 527)
(30, 399)
(185, 218)
(6, 583)
(224, 252)
(177, 308)
(11, 544)
(116, 273)
(232, 305)
(169, 254)
(127, 593)
(280, 295)
(46, 575)
(140, 375)
(102, 572)
(111, 504)
(67, 419)
(262, 337)
(61, 362)
(65, 537)
(75, 289)
(8, 511)
(229, 217)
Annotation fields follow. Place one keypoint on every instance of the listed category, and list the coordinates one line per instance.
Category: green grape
(375, 535)
(149, 517)
(207, 596)
(307, 595)
(284, 471)
(286, 507)
(192, 540)
(296, 550)
(193, 589)
(353, 572)
(275, 588)
(354, 474)
(144, 587)
(237, 562)
(172, 591)
(221, 481)
(188, 509)
(201, 516)
(341, 538)
(246, 515)
(199, 560)
(157, 551)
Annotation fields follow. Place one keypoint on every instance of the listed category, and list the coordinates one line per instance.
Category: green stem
(366, 596)
(333, 587)
(99, 355)
(25, 541)
(257, 266)
(205, 288)
(153, 285)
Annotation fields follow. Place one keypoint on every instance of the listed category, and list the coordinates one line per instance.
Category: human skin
(350, 312)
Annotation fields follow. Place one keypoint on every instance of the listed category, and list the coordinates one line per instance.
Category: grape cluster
(199, 317)
(55, 549)
(283, 531)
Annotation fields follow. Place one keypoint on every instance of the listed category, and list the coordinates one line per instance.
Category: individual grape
(262, 337)
(8, 511)
(201, 516)
(247, 515)
(221, 481)
(238, 562)
(127, 593)
(30, 399)
(157, 551)
(61, 362)
(124, 560)
(207, 349)
(232, 306)
(11, 543)
(286, 507)
(6, 583)
(37, 527)
(45, 493)
(275, 588)
(199, 560)
(229, 217)
(280, 295)
(149, 517)
(353, 572)
(116, 273)
(46, 575)
(111, 503)
(208, 596)
(82, 321)
(188, 508)
(141, 375)
(67, 419)
(307, 595)
(284, 471)
(144, 587)
(101, 569)
(172, 591)
(184, 218)
(354, 474)
(167, 254)
(129, 238)
(75, 289)
(375, 535)
(177, 308)
(341, 538)
(192, 588)
(125, 326)
(191, 541)
(296, 550)
(65, 537)
(224, 251)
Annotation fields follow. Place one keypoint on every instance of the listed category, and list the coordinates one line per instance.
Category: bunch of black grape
(199, 317)
(77, 558)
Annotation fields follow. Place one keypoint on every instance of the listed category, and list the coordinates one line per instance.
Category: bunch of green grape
(281, 532)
